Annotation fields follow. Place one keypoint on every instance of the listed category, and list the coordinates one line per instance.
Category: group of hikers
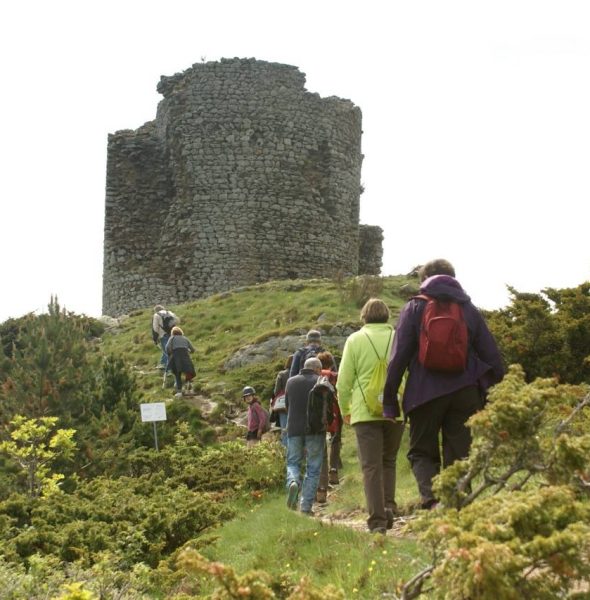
(176, 348)
(440, 360)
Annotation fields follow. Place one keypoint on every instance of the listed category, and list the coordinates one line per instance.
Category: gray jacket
(298, 388)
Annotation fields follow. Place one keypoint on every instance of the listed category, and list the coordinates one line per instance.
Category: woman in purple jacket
(435, 401)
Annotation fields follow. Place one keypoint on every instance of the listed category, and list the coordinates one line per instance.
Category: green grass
(268, 536)
(286, 544)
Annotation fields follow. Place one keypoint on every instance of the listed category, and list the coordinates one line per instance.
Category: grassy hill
(333, 547)
(220, 325)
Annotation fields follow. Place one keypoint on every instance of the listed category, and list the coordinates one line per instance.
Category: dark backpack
(169, 319)
(320, 411)
(443, 336)
(308, 352)
(266, 426)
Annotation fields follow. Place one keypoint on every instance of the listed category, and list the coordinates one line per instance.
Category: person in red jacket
(257, 416)
(332, 461)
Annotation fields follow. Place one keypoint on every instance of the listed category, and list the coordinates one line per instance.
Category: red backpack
(443, 336)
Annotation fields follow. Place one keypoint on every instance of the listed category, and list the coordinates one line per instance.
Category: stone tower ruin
(243, 177)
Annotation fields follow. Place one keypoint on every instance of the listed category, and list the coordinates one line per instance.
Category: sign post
(154, 412)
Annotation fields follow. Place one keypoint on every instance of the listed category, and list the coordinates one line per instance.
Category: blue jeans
(283, 426)
(312, 447)
(163, 341)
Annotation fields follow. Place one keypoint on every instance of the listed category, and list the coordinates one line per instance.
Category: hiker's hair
(158, 308)
(374, 311)
(176, 330)
(326, 358)
(312, 363)
(289, 362)
(438, 266)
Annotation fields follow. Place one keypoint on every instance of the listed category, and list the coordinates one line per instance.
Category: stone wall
(370, 249)
(243, 177)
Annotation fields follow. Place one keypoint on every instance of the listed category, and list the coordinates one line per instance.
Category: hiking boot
(380, 530)
(307, 513)
(293, 495)
(321, 496)
(389, 515)
(333, 477)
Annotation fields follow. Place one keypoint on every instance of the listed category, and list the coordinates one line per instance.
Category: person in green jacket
(378, 439)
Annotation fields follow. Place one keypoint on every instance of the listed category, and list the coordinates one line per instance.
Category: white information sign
(154, 411)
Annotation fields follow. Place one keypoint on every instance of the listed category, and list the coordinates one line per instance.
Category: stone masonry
(243, 177)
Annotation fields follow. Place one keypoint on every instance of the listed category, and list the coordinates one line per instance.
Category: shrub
(517, 516)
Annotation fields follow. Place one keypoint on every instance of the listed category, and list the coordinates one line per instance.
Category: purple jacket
(484, 363)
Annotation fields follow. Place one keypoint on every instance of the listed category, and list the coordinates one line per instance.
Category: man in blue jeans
(301, 445)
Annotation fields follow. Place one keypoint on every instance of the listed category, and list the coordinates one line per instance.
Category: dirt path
(355, 518)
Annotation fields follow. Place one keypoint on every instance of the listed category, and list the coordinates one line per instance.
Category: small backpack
(320, 411)
(373, 393)
(308, 352)
(169, 320)
(443, 336)
(266, 426)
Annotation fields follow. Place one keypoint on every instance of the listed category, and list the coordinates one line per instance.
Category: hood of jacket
(444, 287)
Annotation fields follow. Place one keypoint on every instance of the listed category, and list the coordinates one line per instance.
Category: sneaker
(178, 395)
(321, 496)
(307, 513)
(293, 495)
(429, 504)
(333, 477)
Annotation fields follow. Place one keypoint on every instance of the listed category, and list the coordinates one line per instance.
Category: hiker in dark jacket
(301, 445)
(435, 401)
(178, 350)
(278, 414)
(312, 348)
(162, 322)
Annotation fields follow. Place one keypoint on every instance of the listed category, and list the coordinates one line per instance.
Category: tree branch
(413, 587)
(584, 402)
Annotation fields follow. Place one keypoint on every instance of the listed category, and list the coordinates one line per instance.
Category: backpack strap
(375, 349)
(378, 358)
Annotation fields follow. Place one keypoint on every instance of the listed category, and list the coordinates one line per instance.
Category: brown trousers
(377, 446)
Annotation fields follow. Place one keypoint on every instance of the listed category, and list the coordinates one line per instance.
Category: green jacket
(356, 367)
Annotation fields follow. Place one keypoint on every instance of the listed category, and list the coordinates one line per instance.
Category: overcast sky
(476, 119)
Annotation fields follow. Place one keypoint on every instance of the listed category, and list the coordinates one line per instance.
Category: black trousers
(446, 415)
